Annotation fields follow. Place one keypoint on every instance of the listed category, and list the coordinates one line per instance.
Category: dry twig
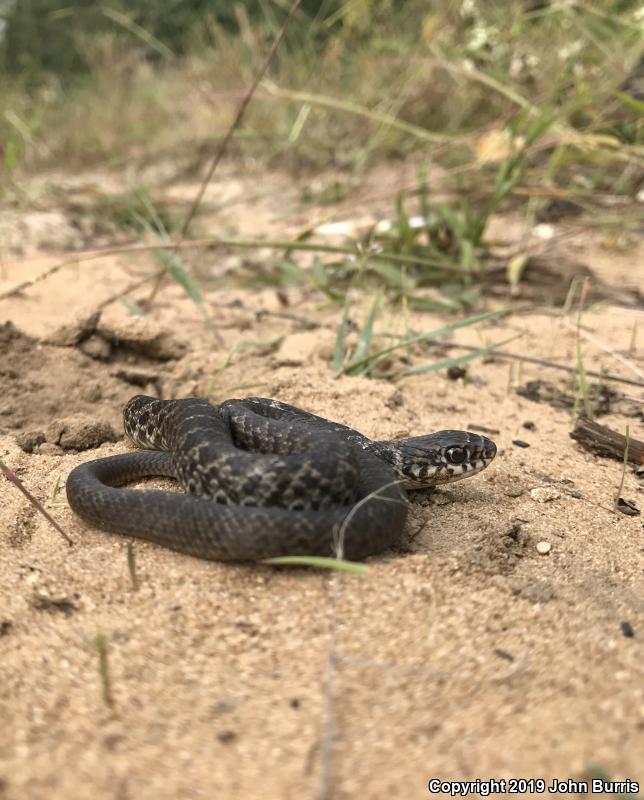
(10, 475)
(604, 441)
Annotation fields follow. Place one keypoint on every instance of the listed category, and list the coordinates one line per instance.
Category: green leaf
(184, 279)
(450, 218)
(631, 102)
(391, 273)
(320, 280)
(540, 126)
(292, 272)
(405, 231)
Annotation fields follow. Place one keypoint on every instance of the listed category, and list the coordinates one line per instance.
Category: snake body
(264, 479)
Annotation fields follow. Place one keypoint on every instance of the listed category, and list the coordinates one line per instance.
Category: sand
(503, 639)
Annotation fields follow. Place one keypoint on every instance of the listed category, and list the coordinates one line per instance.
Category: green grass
(514, 105)
(351, 97)
(319, 562)
(104, 669)
(363, 361)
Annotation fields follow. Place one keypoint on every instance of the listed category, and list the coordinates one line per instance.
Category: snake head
(442, 457)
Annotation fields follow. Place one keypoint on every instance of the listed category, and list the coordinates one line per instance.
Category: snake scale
(264, 479)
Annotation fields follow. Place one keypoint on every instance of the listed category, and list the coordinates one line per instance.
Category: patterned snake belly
(264, 479)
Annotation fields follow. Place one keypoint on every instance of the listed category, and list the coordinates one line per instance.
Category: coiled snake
(264, 479)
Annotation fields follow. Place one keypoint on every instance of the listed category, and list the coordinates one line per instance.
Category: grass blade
(323, 562)
(242, 347)
(130, 25)
(339, 351)
(366, 335)
(372, 360)
(354, 108)
(453, 362)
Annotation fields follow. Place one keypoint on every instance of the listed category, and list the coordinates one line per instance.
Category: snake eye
(456, 455)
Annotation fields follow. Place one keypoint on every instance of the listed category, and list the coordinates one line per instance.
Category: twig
(238, 118)
(605, 441)
(542, 362)
(11, 476)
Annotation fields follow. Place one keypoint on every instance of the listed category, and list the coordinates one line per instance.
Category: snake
(264, 479)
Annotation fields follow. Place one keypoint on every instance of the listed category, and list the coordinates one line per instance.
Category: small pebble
(515, 491)
(520, 443)
(529, 425)
(543, 548)
(96, 347)
(627, 629)
(544, 494)
(455, 372)
(627, 507)
(503, 654)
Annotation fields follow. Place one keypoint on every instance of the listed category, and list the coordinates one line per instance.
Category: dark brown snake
(264, 479)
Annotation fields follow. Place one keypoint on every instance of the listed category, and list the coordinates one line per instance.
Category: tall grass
(509, 101)
(392, 79)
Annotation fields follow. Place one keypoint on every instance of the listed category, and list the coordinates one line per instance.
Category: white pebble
(544, 494)
(543, 548)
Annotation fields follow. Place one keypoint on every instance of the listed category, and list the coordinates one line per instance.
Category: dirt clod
(139, 335)
(75, 331)
(80, 432)
(29, 440)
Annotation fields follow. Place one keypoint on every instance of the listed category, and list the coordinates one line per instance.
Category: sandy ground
(465, 654)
